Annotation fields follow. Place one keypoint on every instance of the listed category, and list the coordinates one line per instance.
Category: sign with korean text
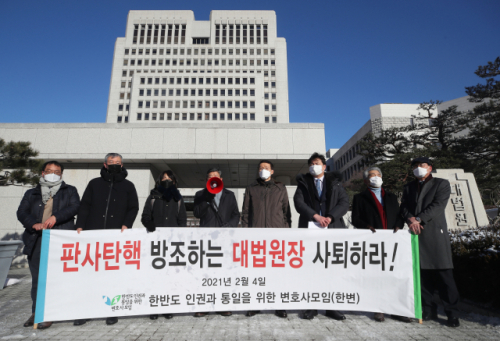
(104, 273)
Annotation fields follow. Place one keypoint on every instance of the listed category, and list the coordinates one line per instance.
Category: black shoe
(453, 322)
(111, 320)
(309, 314)
(252, 312)
(79, 322)
(225, 313)
(44, 325)
(379, 317)
(168, 316)
(432, 315)
(281, 313)
(401, 318)
(153, 317)
(200, 314)
(334, 314)
(29, 322)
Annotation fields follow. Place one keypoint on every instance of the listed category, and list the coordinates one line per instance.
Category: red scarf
(381, 209)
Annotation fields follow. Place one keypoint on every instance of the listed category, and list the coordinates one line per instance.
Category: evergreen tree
(17, 164)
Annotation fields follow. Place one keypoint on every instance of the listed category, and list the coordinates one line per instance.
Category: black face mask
(114, 169)
(166, 183)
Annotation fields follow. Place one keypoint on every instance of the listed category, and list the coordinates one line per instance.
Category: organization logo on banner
(111, 302)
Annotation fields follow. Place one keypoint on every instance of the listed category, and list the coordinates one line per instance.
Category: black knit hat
(422, 159)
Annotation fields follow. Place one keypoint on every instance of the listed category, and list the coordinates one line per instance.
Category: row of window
(200, 80)
(192, 116)
(176, 33)
(195, 116)
(208, 51)
(193, 92)
(130, 73)
(240, 34)
(198, 104)
(347, 156)
(207, 92)
(187, 62)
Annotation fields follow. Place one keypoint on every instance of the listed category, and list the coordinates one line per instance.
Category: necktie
(318, 187)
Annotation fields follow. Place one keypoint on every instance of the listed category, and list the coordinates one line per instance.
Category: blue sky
(343, 56)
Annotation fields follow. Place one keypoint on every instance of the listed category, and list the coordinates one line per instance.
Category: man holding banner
(109, 202)
(377, 209)
(423, 207)
(52, 204)
(265, 204)
(321, 202)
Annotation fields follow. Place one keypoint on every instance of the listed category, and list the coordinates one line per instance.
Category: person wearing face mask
(109, 202)
(377, 209)
(320, 198)
(265, 204)
(164, 207)
(216, 210)
(423, 208)
(52, 204)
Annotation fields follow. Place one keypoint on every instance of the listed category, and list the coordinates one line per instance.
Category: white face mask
(376, 181)
(420, 172)
(315, 170)
(52, 177)
(264, 174)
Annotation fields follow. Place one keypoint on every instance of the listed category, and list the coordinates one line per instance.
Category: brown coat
(266, 205)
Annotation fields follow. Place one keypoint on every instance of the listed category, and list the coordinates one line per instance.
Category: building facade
(347, 159)
(171, 67)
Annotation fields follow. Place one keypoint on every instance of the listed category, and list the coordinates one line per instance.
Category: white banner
(104, 273)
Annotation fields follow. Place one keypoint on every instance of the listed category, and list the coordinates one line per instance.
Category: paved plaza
(15, 306)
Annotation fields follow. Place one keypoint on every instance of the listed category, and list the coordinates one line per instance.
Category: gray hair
(367, 171)
(214, 169)
(112, 155)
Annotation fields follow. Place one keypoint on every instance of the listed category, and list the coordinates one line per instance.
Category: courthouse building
(185, 95)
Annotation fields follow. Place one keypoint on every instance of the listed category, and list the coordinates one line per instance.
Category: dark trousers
(441, 280)
(34, 263)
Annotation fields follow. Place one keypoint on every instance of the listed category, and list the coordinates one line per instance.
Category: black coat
(30, 212)
(164, 212)
(228, 209)
(429, 206)
(365, 212)
(307, 201)
(97, 213)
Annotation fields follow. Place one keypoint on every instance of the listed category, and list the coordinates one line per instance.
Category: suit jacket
(228, 209)
(365, 212)
(429, 206)
(307, 201)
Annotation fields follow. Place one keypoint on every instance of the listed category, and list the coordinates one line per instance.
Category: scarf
(49, 189)
(380, 209)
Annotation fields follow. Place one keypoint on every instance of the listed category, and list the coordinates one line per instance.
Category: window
(156, 92)
(252, 92)
(229, 117)
(275, 119)
(266, 96)
(169, 117)
(207, 117)
(222, 117)
(120, 107)
(252, 80)
(176, 117)
(252, 104)
(139, 116)
(162, 117)
(214, 117)
(148, 104)
(139, 104)
(273, 84)
(229, 92)
(245, 117)
(184, 117)
(252, 117)
(273, 95)
(214, 92)
(191, 116)
(236, 117)
(266, 84)
(200, 117)
(146, 117)
(143, 80)
(273, 107)
(153, 116)
(266, 119)
(163, 92)
(123, 84)
(266, 107)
